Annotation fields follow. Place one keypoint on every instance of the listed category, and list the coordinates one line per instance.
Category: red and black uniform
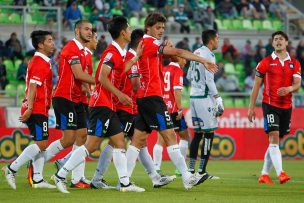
(152, 110)
(127, 114)
(276, 74)
(39, 72)
(103, 118)
(173, 80)
(67, 95)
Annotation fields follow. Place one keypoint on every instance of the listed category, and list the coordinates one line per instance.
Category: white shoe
(60, 184)
(100, 184)
(164, 180)
(10, 177)
(43, 184)
(131, 188)
(194, 179)
(202, 177)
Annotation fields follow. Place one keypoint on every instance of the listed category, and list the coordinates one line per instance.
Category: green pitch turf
(238, 183)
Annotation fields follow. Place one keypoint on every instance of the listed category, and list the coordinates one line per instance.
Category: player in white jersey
(205, 102)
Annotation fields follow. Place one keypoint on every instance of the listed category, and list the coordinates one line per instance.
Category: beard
(83, 38)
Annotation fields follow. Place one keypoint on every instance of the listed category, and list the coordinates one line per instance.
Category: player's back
(67, 86)
(197, 73)
(151, 69)
(113, 58)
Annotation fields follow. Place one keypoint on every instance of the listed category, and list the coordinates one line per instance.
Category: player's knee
(42, 145)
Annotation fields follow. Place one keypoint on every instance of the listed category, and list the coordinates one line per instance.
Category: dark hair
(94, 30)
(279, 33)
(136, 36)
(154, 18)
(79, 23)
(38, 36)
(116, 25)
(208, 35)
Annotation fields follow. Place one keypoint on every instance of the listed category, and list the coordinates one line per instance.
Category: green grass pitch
(238, 183)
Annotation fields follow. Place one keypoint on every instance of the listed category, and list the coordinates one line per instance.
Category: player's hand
(282, 91)
(251, 114)
(124, 99)
(139, 49)
(168, 43)
(212, 67)
(26, 115)
(220, 106)
(179, 114)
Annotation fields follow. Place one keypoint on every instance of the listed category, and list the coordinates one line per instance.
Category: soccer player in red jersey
(152, 110)
(35, 108)
(281, 75)
(78, 178)
(173, 85)
(104, 121)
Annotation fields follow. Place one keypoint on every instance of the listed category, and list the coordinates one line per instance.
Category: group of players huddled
(133, 95)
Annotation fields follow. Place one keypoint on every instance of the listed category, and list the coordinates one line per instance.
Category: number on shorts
(270, 118)
(128, 127)
(45, 127)
(168, 118)
(71, 117)
(167, 81)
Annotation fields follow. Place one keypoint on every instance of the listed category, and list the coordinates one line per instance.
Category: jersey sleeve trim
(74, 61)
(177, 87)
(35, 82)
(259, 74)
(296, 76)
(109, 64)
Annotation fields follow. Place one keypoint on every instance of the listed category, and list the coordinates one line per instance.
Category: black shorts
(127, 121)
(103, 122)
(152, 115)
(69, 115)
(179, 125)
(81, 115)
(38, 126)
(276, 119)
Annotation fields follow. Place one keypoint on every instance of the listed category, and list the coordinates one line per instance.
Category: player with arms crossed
(281, 75)
(173, 86)
(205, 103)
(104, 121)
(78, 177)
(35, 108)
(152, 111)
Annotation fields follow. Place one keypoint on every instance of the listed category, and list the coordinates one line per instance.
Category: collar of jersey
(148, 36)
(44, 57)
(121, 51)
(132, 51)
(79, 45)
(174, 64)
(274, 56)
(88, 50)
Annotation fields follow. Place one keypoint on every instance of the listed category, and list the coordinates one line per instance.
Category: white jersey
(201, 80)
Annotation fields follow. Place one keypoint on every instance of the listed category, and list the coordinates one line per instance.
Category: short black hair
(79, 23)
(279, 33)
(38, 36)
(208, 35)
(116, 25)
(136, 36)
(94, 30)
(154, 18)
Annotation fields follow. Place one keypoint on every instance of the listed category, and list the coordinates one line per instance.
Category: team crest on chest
(291, 65)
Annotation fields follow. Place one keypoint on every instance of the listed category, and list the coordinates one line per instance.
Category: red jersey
(39, 71)
(67, 86)
(278, 74)
(113, 58)
(126, 85)
(88, 69)
(173, 80)
(150, 63)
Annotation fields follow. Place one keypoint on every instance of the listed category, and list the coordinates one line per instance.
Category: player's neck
(43, 52)
(209, 46)
(281, 54)
(121, 42)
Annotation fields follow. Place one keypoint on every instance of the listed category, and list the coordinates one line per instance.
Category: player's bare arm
(253, 97)
(81, 75)
(104, 80)
(129, 64)
(293, 88)
(32, 89)
(171, 51)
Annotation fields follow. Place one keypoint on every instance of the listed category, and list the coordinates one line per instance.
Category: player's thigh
(179, 125)
(65, 113)
(285, 122)
(160, 140)
(81, 136)
(154, 113)
(271, 118)
(38, 126)
(81, 116)
(127, 121)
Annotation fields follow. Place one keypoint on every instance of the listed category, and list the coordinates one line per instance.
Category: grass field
(238, 183)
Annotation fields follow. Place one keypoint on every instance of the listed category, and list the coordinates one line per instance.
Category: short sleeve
(261, 69)
(297, 70)
(73, 57)
(133, 71)
(152, 47)
(109, 60)
(38, 74)
(178, 79)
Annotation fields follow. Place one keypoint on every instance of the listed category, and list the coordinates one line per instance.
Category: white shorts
(203, 114)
